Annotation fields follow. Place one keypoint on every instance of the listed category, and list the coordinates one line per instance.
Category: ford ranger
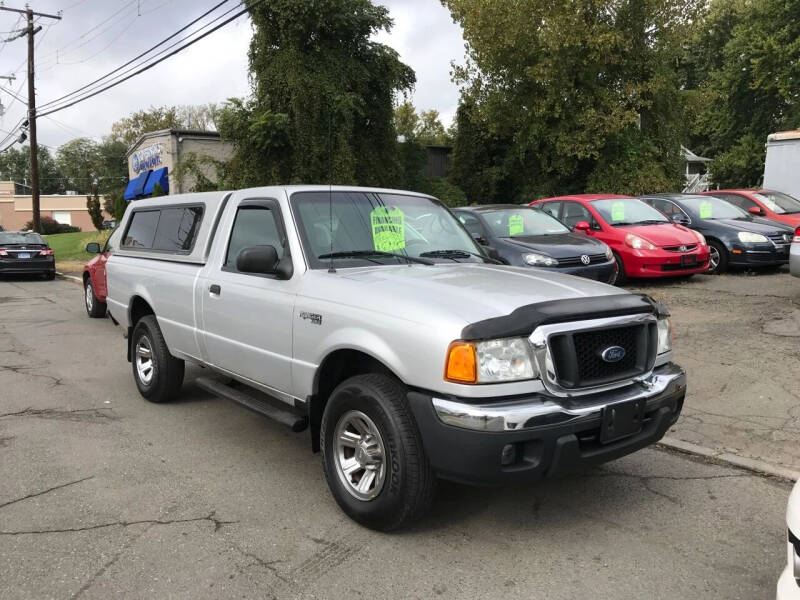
(373, 319)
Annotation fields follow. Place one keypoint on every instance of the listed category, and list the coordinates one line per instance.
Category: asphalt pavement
(104, 495)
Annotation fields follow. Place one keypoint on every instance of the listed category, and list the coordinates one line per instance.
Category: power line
(146, 52)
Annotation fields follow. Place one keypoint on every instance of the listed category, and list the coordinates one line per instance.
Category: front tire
(157, 373)
(372, 453)
(621, 278)
(94, 308)
(718, 258)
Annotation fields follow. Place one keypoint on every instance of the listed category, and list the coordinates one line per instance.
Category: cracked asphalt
(738, 337)
(104, 495)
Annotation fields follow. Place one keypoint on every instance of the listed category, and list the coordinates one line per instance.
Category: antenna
(331, 269)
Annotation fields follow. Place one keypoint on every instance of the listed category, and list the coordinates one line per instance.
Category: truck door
(246, 318)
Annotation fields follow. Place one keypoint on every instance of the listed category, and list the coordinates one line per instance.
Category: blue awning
(135, 186)
(160, 177)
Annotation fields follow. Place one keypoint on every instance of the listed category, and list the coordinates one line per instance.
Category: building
(156, 155)
(16, 209)
(696, 172)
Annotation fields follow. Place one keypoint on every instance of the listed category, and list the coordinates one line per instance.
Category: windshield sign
(780, 203)
(628, 211)
(359, 228)
(709, 207)
(8, 238)
(520, 222)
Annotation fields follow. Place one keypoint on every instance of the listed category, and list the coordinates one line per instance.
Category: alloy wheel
(145, 367)
(713, 258)
(359, 455)
(89, 297)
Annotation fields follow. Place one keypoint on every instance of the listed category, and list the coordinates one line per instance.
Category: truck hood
(458, 292)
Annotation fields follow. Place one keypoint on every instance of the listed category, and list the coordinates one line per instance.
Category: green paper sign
(618, 211)
(388, 229)
(705, 209)
(516, 225)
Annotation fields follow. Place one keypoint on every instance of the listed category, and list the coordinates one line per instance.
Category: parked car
(763, 203)
(109, 224)
(645, 243)
(789, 582)
(524, 236)
(794, 254)
(24, 252)
(372, 317)
(94, 276)
(734, 236)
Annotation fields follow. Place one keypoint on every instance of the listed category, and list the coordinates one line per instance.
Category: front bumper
(758, 254)
(603, 272)
(794, 259)
(551, 436)
(787, 586)
(663, 263)
(39, 264)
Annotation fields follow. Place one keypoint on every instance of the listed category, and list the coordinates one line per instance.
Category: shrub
(50, 226)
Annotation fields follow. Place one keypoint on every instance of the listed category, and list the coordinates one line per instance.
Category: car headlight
(752, 238)
(664, 336)
(637, 243)
(539, 260)
(609, 253)
(700, 237)
(492, 361)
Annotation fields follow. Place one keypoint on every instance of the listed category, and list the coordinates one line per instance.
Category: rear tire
(94, 308)
(368, 434)
(621, 278)
(50, 275)
(719, 255)
(157, 373)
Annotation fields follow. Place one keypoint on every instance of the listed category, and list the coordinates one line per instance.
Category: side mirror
(478, 238)
(93, 248)
(582, 226)
(258, 259)
(679, 219)
(756, 210)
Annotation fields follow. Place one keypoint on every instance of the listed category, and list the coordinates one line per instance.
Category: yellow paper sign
(618, 211)
(705, 209)
(516, 225)
(388, 229)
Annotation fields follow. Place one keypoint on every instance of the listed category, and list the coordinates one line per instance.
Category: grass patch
(70, 248)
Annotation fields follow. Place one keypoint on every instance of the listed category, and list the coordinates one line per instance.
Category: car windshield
(780, 203)
(9, 238)
(518, 222)
(357, 228)
(628, 211)
(709, 207)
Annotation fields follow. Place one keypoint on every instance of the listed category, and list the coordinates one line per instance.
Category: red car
(764, 203)
(645, 242)
(94, 276)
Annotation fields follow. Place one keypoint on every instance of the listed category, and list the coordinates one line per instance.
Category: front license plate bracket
(622, 420)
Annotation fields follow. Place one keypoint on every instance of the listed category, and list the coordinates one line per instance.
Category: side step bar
(217, 387)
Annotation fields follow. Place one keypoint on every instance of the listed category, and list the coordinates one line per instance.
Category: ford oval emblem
(613, 354)
(585, 259)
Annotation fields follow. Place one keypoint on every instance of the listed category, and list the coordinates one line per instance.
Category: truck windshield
(780, 203)
(359, 228)
(516, 222)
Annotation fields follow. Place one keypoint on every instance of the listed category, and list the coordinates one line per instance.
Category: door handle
(215, 289)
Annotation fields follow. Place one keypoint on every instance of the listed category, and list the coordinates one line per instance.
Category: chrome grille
(572, 261)
(684, 248)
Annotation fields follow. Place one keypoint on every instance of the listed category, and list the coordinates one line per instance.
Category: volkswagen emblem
(585, 259)
(613, 354)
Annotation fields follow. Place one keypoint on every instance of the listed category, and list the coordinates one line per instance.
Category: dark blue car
(528, 237)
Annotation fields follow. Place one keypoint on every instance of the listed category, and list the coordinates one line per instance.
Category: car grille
(594, 259)
(779, 238)
(577, 355)
(684, 248)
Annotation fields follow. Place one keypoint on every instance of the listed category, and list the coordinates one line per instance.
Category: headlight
(751, 238)
(637, 243)
(700, 237)
(664, 336)
(539, 260)
(492, 361)
(609, 253)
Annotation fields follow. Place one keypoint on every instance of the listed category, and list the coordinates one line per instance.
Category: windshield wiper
(453, 254)
(650, 222)
(367, 254)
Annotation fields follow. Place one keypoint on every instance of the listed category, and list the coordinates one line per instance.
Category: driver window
(575, 213)
(253, 226)
(471, 224)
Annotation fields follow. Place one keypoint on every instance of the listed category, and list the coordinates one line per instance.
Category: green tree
(323, 96)
(568, 90)
(15, 165)
(95, 212)
(77, 162)
(128, 129)
(425, 127)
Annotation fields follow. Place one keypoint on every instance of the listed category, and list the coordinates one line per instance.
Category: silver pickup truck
(372, 318)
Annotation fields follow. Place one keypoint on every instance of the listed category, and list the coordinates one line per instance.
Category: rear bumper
(550, 436)
(45, 264)
(662, 263)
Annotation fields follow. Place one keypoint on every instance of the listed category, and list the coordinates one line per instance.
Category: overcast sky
(96, 36)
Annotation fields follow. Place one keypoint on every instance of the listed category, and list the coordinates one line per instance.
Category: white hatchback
(789, 583)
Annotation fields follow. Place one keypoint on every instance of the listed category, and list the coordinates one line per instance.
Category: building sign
(147, 158)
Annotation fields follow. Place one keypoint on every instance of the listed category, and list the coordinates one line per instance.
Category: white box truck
(782, 166)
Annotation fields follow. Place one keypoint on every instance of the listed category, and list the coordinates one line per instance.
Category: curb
(733, 460)
(70, 278)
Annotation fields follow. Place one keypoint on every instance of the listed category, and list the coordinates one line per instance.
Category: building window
(63, 216)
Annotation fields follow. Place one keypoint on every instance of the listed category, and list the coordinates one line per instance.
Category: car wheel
(372, 453)
(621, 278)
(157, 373)
(717, 258)
(94, 308)
(50, 275)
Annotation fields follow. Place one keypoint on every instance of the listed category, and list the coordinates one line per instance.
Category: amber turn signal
(461, 365)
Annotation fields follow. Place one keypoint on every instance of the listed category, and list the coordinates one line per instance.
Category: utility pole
(31, 31)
